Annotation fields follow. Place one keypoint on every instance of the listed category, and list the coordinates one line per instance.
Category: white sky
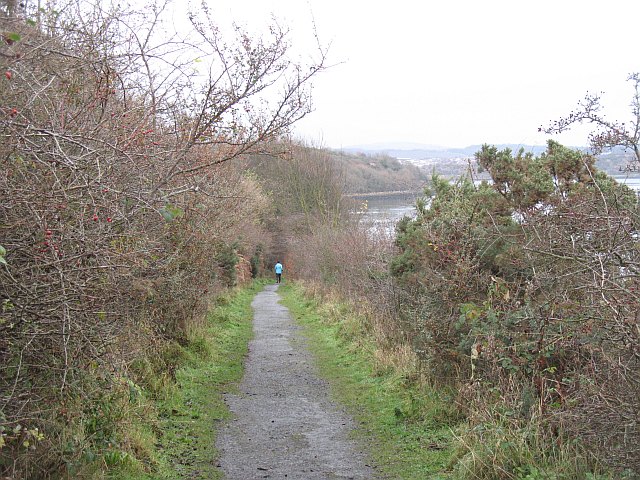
(455, 72)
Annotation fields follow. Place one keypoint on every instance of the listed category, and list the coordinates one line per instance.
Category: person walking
(278, 269)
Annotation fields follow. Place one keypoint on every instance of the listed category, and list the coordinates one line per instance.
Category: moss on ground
(189, 412)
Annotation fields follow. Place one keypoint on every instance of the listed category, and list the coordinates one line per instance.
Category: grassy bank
(407, 424)
(182, 441)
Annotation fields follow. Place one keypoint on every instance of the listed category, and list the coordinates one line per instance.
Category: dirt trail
(285, 425)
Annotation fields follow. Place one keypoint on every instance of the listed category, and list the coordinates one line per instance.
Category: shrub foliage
(527, 287)
(121, 210)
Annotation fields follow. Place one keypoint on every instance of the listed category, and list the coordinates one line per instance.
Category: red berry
(48, 233)
(109, 219)
(95, 218)
(8, 74)
(13, 112)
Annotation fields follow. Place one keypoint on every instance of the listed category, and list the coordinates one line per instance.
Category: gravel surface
(285, 425)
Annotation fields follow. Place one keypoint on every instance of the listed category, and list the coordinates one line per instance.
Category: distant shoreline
(396, 193)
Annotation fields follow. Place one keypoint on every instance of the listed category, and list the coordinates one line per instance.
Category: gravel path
(285, 425)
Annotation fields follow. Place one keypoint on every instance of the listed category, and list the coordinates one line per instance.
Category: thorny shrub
(528, 287)
(117, 198)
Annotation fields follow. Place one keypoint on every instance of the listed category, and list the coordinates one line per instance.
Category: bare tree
(608, 133)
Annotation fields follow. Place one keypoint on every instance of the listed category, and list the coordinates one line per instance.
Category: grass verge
(188, 412)
(407, 424)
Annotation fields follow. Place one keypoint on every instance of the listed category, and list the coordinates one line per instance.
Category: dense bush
(525, 291)
(120, 212)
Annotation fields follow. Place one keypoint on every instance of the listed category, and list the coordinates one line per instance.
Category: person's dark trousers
(278, 275)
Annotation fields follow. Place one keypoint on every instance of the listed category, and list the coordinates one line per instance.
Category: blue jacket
(278, 267)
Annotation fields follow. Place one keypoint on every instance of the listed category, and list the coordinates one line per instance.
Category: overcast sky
(455, 72)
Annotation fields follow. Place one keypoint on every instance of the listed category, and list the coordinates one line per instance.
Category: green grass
(190, 412)
(409, 427)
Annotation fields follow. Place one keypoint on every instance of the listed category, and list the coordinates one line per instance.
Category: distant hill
(378, 172)
(365, 169)
(356, 173)
(429, 152)
(454, 161)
